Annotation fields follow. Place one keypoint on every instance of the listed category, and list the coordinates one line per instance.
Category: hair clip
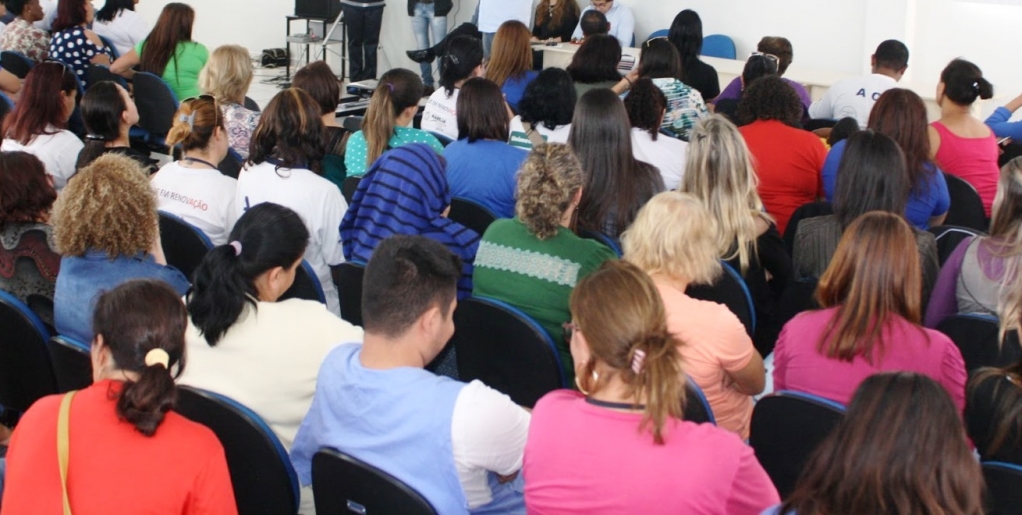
(189, 119)
(94, 137)
(390, 87)
(975, 86)
(237, 247)
(157, 357)
(637, 358)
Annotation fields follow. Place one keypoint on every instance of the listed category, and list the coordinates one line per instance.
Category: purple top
(733, 91)
(944, 300)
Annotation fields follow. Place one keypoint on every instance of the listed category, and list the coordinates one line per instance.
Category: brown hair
(481, 111)
(899, 449)
(319, 81)
(620, 313)
(874, 276)
(196, 134)
(555, 14)
(27, 194)
(398, 90)
(901, 114)
(1001, 426)
(511, 56)
(778, 47)
(291, 131)
(173, 27)
(41, 103)
(547, 183)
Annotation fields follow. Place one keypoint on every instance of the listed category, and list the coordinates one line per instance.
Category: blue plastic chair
(662, 33)
(1003, 493)
(729, 289)
(156, 104)
(72, 363)
(444, 139)
(977, 336)
(183, 244)
(344, 484)
(110, 44)
(348, 278)
(719, 45)
(471, 214)
(306, 285)
(26, 373)
(697, 408)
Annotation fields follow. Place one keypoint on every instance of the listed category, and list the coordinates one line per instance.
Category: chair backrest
(156, 104)
(251, 104)
(344, 484)
(352, 123)
(6, 106)
(1004, 497)
(730, 290)
(471, 214)
(98, 73)
(26, 373)
(349, 187)
(72, 363)
(662, 33)
(948, 237)
(966, 206)
(306, 285)
(113, 48)
(786, 428)
(505, 349)
(261, 472)
(611, 243)
(719, 45)
(16, 62)
(348, 279)
(976, 336)
(810, 210)
(443, 138)
(183, 243)
(697, 408)
(232, 163)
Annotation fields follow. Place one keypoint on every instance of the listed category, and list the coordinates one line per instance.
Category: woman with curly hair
(788, 159)
(106, 226)
(647, 106)
(544, 114)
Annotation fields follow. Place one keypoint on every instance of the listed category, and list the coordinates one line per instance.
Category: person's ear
(100, 356)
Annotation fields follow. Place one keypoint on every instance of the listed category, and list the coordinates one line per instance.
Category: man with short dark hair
(458, 445)
(619, 17)
(593, 22)
(855, 97)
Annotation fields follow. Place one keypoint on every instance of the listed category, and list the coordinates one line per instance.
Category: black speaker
(319, 9)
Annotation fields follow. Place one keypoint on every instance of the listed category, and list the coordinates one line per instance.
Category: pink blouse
(972, 159)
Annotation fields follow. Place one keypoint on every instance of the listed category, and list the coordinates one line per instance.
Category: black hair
(270, 235)
(770, 98)
(481, 111)
(964, 83)
(841, 130)
(464, 54)
(891, 54)
(102, 108)
(645, 105)
(405, 277)
(758, 66)
(549, 99)
(871, 177)
(596, 60)
(112, 8)
(659, 60)
(134, 318)
(16, 6)
(593, 22)
(686, 34)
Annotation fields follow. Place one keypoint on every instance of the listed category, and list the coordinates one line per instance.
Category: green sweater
(536, 276)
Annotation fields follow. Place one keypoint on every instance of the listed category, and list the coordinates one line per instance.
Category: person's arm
(953, 375)
(998, 121)
(124, 64)
(943, 299)
(938, 188)
(781, 358)
(9, 83)
(488, 430)
(625, 27)
(211, 490)
(100, 57)
(731, 92)
(822, 109)
(626, 82)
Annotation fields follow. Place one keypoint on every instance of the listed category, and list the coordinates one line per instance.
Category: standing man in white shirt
(855, 97)
(622, 22)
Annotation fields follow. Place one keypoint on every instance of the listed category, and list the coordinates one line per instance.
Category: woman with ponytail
(463, 61)
(619, 445)
(388, 122)
(109, 112)
(124, 423)
(234, 318)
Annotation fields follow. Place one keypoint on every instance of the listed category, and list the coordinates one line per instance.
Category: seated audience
(20, 36)
(554, 21)
(899, 448)
(545, 111)
(388, 122)
(406, 192)
(38, 123)
(855, 96)
(869, 321)
(118, 22)
(28, 262)
(510, 64)
(192, 187)
(631, 393)
(124, 420)
(619, 17)
(73, 43)
(686, 34)
(169, 52)
(756, 66)
(481, 166)
(463, 60)
(998, 121)
(458, 445)
(617, 184)
(960, 143)
(594, 65)
(780, 49)
(109, 112)
(788, 159)
(992, 417)
(674, 241)
(319, 81)
(719, 172)
(548, 193)
(234, 317)
(647, 106)
(284, 168)
(227, 76)
(901, 114)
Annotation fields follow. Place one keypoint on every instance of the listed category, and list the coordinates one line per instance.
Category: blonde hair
(511, 57)
(227, 74)
(194, 124)
(1006, 227)
(107, 206)
(719, 172)
(398, 90)
(674, 235)
(547, 183)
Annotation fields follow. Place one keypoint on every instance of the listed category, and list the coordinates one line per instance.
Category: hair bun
(983, 88)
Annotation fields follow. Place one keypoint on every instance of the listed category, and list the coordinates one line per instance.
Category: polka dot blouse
(74, 48)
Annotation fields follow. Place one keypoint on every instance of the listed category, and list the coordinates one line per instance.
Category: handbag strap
(534, 136)
(63, 444)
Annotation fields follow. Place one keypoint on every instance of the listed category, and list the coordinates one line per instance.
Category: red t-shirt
(113, 468)
(789, 164)
(972, 159)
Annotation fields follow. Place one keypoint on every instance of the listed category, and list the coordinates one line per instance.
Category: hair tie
(237, 247)
(189, 119)
(975, 86)
(94, 137)
(157, 357)
(638, 356)
(390, 87)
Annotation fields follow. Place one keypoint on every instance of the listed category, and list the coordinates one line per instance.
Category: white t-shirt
(488, 433)
(124, 31)
(666, 153)
(58, 152)
(319, 203)
(852, 97)
(269, 359)
(201, 196)
(441, 114)
(518, 137)
(494, 12)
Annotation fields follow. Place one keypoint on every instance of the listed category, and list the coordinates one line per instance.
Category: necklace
(197, 160)
(615, 405)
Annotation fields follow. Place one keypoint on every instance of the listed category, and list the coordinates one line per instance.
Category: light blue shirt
(622, 24)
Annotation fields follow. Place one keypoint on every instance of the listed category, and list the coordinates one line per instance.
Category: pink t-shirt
(714, 343)
(799, 366)
(972, 159)
(586, 459)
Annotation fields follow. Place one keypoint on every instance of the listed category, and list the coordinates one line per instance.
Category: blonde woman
(227, 76)
(674, 241)
(533, 260)
(719, 172)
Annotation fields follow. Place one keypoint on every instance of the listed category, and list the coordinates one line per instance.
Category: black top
(772, 258)
(440, 7)
(702, 77)
(563, 31)
(148, 164)
(982, 420)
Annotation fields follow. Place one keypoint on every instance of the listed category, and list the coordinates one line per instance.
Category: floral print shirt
(20, 36)
(241, 123)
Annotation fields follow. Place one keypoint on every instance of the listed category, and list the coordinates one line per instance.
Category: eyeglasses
(651, 40)
(569, 330)
(601, 5)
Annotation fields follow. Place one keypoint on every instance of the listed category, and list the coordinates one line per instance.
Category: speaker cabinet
(322, 9)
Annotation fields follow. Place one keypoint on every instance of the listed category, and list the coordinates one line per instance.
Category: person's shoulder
(193, 436)
(41, 411)
(556, 401)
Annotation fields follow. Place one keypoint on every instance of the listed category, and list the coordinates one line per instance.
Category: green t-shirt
(355, 152)
(536, 276)
(182, 70)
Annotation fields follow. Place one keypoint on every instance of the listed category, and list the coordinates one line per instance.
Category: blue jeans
(424, 21)
(487, 43)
